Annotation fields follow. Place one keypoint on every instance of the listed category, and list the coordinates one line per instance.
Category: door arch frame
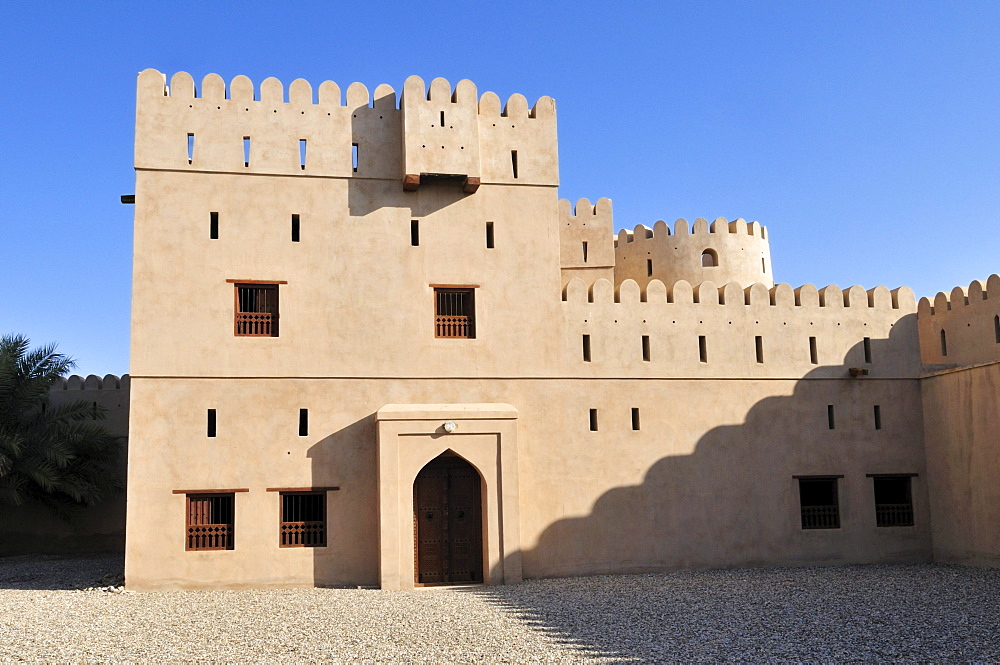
(451, 459)
(409, 437)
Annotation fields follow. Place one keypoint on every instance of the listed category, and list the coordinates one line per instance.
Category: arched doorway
(447, 523)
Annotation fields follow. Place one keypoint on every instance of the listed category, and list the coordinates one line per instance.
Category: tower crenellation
(585, 240)
(961, 327)
(722, 251)
(432, 133)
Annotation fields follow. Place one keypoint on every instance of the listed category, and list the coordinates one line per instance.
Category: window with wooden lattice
(893, 501)
(455, 312)
(303, 519)
(256, 310)
(820, 507)
(209, 522)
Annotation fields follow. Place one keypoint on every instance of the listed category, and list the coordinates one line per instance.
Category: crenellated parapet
(723, 251)
(110, 392)
(91, 382)
(586, 240)
(455, 134)
(430, 134)
(732, 330)
(963, 327)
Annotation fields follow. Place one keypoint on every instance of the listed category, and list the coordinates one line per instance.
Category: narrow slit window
(944, 344)
(996, 327)
(593, 420)
(830, 421)
(303, 422)
(489, 235)
(878, 417)
(246, 151)
(354, 157)
(584, 251)
(702, 349)
(645, 348)
(415, 233)
(513, 162)
(763, 266)
(868, 350)
(758, 343)
(586, 348)
(211, 422)
(635, 418)
(295, 228)
(442, 118)
(213, 225)
(649, 267)
(813, 351)
(302, 154)
(190, 148)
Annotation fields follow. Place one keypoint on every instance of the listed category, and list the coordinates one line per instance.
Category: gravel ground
(56, 609)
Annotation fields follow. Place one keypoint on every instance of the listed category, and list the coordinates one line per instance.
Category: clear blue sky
(865, 136)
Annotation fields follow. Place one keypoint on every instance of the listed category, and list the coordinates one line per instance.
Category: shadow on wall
(734, 502)
(342, 460)
(365, 196)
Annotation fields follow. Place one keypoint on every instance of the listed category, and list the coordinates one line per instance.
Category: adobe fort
(370, 346)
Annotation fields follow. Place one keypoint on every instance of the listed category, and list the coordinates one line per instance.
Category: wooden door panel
(465, 547)
(430, 517)
(447, 519)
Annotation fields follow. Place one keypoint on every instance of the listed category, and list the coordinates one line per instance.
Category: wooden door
(447, 518)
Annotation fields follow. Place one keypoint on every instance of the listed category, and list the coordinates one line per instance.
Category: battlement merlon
(961, 328)
(756, 296)
(721, 252)
(586, 241)
(441, 132)
(91, 382)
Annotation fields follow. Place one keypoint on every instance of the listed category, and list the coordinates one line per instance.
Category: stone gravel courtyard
(921, 612)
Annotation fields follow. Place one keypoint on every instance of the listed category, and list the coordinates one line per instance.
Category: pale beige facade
(641, 403)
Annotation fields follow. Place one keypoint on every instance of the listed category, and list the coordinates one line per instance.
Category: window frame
(228, 536)
(882, 519)
(471, 318)
(814, 522)
(301, 530)
(272, 326)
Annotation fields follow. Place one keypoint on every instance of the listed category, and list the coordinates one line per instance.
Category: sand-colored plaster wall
(962, 327)
(586, 241)
(706, 481)
(741, 253)
(961, 421)
(355, 256)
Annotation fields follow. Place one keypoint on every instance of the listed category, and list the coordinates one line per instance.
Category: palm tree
(58, 456)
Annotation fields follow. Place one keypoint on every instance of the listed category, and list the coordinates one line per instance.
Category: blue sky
(865, 136)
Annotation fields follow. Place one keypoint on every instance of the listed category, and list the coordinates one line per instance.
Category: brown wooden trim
(453, 286)
(818, 477)
(229, 491)
(256, 281)
(302, 489)
(891, 475)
